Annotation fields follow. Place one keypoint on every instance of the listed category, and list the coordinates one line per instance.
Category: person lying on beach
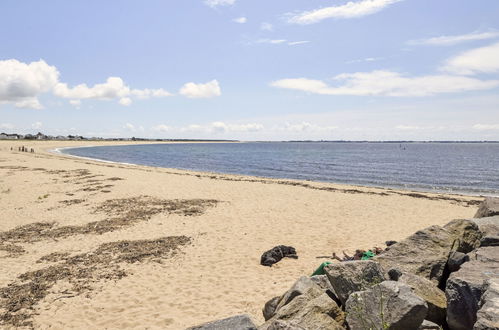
(359, 254)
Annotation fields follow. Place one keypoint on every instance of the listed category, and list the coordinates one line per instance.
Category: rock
(322, 281)
(430, 293)
(427, 325)
(350, 276)
(283, 325)
(394, 274)
(390, 243)
(388, 305)
(303, 313)
(488, 208)
(465, 288)
(490, 230)
(312, 287)
(270, 307)
(466, 233)
(425, 253)
(456, 259)
(239, 322)
(488, 315)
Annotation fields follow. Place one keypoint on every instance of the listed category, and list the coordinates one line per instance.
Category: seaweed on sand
(122, 212)
(18, 300)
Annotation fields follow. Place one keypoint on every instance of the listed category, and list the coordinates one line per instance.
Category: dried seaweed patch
(18, 299)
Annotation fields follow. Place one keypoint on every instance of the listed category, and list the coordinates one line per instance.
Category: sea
(466, 168)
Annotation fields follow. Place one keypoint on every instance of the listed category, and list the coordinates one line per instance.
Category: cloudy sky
(251, 69)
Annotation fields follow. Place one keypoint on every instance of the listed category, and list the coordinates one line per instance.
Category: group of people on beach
(23, 149)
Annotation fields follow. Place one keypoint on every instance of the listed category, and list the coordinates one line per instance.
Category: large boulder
(320, 312)
(425, 253)
(465, 288)
(240, 322)
(309, 286)
(351, 276)
(488, 208)
(430, 293)
(490, 230)
(388, 305)
(466, 234)
(488, 315)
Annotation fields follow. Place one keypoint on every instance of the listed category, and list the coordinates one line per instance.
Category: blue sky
(252, 69)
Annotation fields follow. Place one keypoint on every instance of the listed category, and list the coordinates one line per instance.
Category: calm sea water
(457, 167)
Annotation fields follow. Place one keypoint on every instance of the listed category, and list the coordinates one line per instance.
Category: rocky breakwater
(438, 278)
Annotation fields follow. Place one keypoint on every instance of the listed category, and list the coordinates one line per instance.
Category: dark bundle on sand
(276, 254)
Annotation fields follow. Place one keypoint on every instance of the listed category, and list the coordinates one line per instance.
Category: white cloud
(240, 20)
(75, 103)
(407, 128)
(161, 128)
(113, 88)
(479, 60)
(367, 59)
(271, 41)
(216, 3)
(294, 43)
(148, 93)
(266, 27)
(349, 10)
(207, 90)
(126, 101)
(307, 127)
(6, 126)
(456, 39)
(36, 125)
(221, 127)
(29, 103)
(133, 128)
(129, 127)
(485, 127)
(21, 83)
(387, 83)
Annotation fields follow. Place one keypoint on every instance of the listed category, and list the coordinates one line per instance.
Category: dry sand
(194, 240)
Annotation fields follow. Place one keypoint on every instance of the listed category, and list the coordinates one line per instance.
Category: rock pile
(438, 278)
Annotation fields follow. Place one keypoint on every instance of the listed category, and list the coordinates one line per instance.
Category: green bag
(320, 270)
(367, 255)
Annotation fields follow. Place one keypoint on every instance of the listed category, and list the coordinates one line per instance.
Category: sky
(251, 69)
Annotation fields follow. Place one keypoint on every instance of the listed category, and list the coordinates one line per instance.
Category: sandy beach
(193, 240)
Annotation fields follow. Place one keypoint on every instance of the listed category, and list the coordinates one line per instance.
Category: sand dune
(75, 210)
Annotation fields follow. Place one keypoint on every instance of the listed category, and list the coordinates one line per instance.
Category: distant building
(5, 136)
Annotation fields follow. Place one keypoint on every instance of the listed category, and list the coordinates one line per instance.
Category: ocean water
(471, 168)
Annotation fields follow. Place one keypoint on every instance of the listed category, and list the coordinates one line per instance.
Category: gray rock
(239, 322)
(488, 315)
(351, 276)
(388, 305)
(303, 313)
(270, 307)
(456, 259)
(464, 288)
(428, 325)
(283, 325)
(425, 253)
(394, 274)
(466, 234)
(488, 208)
(430, 293)
(490, 230)
(310, 286)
